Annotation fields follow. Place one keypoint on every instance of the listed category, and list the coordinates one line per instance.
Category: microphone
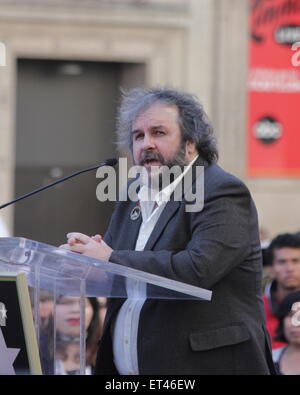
(107, 162)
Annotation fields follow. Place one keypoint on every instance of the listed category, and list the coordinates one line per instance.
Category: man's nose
(290, 267)
(148, 143)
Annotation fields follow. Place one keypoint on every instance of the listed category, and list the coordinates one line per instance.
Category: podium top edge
(113, 268)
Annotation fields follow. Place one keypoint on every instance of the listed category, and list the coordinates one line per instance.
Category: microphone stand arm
(51, 184)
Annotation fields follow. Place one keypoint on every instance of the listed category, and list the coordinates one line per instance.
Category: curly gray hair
(193, 121)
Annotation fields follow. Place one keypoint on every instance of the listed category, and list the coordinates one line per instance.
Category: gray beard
(159, 181)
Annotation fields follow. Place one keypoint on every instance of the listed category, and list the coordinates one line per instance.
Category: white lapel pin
(135, 213)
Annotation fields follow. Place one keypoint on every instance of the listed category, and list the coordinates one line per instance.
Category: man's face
(286, 268)
(157, 140)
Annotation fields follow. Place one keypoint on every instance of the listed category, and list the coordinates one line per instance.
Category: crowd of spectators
(281, 295)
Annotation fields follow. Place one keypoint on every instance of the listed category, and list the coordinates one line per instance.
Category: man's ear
(190, 149)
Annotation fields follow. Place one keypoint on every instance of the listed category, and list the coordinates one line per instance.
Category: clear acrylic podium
(58, 273)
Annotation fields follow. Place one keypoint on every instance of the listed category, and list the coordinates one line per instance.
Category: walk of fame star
(7, 357)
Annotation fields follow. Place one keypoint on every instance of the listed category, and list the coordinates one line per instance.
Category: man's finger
(64, 247)
(79, 236)
(97, 238)
(72, 241)
(77, 248)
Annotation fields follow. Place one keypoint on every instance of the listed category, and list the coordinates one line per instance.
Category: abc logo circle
(267, 130)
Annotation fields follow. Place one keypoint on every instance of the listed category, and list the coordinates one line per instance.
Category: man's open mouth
(151, 162)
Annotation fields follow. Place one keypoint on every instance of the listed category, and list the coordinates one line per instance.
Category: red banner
(274, 89)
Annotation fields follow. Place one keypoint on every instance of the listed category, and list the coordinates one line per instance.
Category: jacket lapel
(168, 212)
(128, 239)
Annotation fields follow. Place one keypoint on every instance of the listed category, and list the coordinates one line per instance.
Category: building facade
(197, 45)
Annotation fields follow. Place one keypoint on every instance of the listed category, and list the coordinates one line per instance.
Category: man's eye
(139, 136)
(159, 132)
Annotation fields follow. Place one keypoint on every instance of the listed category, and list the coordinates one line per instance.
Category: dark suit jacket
(217, 249)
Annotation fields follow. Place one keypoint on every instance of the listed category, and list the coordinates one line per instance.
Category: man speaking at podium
(215, 247)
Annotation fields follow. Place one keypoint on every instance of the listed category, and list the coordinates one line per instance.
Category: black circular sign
(287, 34)
(268, 130)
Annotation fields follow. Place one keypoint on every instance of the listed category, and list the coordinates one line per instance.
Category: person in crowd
(284, 257)
(216, 246)
(63, 357)
(287, 358)
(45, 308)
